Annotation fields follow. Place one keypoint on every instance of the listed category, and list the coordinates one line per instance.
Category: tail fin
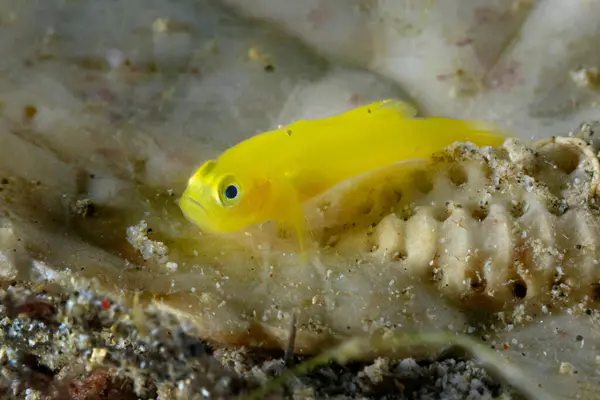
(480, 133)
(489, 134)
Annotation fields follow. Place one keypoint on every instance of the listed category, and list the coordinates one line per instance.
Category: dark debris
(85, 347)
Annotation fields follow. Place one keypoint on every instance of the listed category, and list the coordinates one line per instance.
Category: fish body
(269, 176)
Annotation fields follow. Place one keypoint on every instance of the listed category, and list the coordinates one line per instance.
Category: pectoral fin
(293, 219)
(294, 222)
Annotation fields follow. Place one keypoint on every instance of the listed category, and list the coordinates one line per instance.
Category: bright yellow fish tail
(477, 132)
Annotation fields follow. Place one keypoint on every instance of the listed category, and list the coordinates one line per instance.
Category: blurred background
(157, 86)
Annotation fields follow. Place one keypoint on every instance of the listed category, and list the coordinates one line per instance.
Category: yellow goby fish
(269, 176)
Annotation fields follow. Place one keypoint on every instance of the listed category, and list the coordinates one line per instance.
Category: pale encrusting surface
(106, 110)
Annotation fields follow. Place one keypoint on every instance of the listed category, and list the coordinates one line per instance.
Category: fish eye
(231, 192)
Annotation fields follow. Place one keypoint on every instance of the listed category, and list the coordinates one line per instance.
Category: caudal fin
(480, 133)
(488, 134)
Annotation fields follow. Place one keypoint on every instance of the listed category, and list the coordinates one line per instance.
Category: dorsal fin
(360, 114)
(376, 108)
(206, 168)
(404, 109)
(203, 172)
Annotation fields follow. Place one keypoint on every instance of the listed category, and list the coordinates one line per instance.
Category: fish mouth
(196, 203)
(190, 208)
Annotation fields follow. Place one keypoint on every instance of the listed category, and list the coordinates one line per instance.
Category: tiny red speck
(505, 346)
(105, 304)
(134, 69)
(464, 42)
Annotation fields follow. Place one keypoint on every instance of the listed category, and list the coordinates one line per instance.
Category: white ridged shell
(513, 225)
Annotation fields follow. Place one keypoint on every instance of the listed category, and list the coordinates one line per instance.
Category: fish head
(221, 198)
